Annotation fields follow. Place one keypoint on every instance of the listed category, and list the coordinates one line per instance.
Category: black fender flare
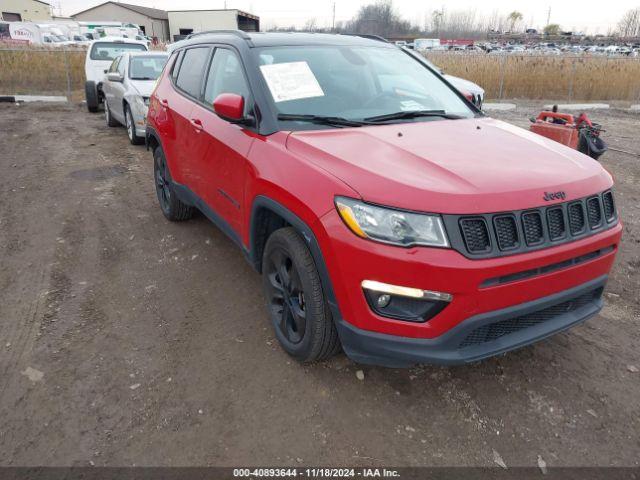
(263, 202)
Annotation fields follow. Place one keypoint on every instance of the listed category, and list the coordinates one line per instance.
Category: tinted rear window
(109, 51)
(192, 70)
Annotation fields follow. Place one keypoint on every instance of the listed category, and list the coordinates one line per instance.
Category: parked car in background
(473, 92)
(127, 87)
(385, 212)
(100, 55)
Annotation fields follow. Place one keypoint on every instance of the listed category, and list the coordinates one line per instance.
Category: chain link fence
(31, 71)
(557, 77)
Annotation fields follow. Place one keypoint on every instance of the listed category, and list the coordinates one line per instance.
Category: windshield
(109, 51)
(354, 83)
(146, 68)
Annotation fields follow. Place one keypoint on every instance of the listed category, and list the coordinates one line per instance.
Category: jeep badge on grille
(548, 196)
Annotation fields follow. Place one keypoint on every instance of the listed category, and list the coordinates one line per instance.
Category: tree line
(382, 18)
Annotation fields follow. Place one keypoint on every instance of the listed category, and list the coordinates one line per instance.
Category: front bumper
(483, 290)
(481, 336)
(139, 113)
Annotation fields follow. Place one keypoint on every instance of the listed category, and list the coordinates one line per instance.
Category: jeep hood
(477, 165)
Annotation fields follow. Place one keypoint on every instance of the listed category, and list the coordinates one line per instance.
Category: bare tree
(380, 18)
(552, 29)
(311, 25)
(629, 25)
(514, 17)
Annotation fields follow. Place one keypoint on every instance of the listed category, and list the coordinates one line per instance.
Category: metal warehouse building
(184, 22)
(152, 21)
(24, 11)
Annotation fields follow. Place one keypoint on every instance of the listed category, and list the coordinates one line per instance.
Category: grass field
(552, 77)
(41, 72)
(29, 71)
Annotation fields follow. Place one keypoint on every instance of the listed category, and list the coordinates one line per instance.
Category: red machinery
(580, 134)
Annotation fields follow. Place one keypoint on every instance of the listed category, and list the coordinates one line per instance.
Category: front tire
(131, 127)
(295, 300)
(172, 207)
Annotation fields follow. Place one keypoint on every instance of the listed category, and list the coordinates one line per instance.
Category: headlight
(392, 226)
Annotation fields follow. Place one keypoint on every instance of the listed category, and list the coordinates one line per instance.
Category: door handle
(197, 124)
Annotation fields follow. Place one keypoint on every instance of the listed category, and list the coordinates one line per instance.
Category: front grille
(576, 218)
(506, 232)
(609, 206)
(476, 235)
(532, 225)
(594, 213)
(493, 331)
(555, 222)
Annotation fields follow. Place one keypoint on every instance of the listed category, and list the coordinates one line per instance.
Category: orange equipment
(580, 134)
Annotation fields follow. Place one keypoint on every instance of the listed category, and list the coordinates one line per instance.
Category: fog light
(405, 291)
(404, 303)
(383, 300)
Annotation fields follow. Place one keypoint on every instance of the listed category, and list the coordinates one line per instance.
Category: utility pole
(333, 21)
(549, 15)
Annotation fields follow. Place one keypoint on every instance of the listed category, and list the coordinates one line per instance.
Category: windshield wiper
(142, 78)
(322, 120)
(413, 114)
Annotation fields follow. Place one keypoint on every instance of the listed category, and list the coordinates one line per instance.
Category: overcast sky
(593, 16)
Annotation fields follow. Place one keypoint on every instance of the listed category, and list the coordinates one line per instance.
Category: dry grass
(42, 72)
(551, 77)
(38, 71)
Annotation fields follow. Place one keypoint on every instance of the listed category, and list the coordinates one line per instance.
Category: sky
(590, 16)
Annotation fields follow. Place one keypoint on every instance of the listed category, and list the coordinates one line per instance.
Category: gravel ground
(128, 340)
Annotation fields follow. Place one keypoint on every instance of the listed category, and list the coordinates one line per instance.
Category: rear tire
(91, 95)
(295, 300)
(172, 207)
(130, 124)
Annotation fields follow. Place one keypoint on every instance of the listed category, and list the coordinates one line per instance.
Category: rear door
(224, 146)
(188, 84)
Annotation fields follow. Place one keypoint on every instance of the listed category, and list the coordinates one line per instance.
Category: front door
(224, 165)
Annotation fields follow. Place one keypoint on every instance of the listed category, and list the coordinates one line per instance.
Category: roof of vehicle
(148, 53)
(273, 39)
(118, 40)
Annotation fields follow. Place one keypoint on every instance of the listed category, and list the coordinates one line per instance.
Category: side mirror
(230, 107)
(114, 77)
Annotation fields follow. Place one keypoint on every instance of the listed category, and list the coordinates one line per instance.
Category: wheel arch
(267, 216)
(152, 139)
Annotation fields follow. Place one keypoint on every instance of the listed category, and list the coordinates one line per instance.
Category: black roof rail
(369, 36)
(239, 33)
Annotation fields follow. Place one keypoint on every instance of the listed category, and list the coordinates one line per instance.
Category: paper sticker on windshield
(291, 81)
(411, 106)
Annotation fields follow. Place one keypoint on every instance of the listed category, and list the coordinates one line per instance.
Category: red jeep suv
(387, 215)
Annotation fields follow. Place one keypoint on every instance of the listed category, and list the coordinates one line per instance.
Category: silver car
(127, 87)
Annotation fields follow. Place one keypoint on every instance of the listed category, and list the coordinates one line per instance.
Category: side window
(225, 76)
(121, 65)
(176, 65)
(114, 65)
(191, 70)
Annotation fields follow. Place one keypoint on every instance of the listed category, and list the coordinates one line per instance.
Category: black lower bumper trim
(450, 348)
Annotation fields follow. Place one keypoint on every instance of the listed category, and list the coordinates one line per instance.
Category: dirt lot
(128, 340)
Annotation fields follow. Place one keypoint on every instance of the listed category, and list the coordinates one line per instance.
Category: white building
(24, 11)
(185, 22)
(152, 21)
